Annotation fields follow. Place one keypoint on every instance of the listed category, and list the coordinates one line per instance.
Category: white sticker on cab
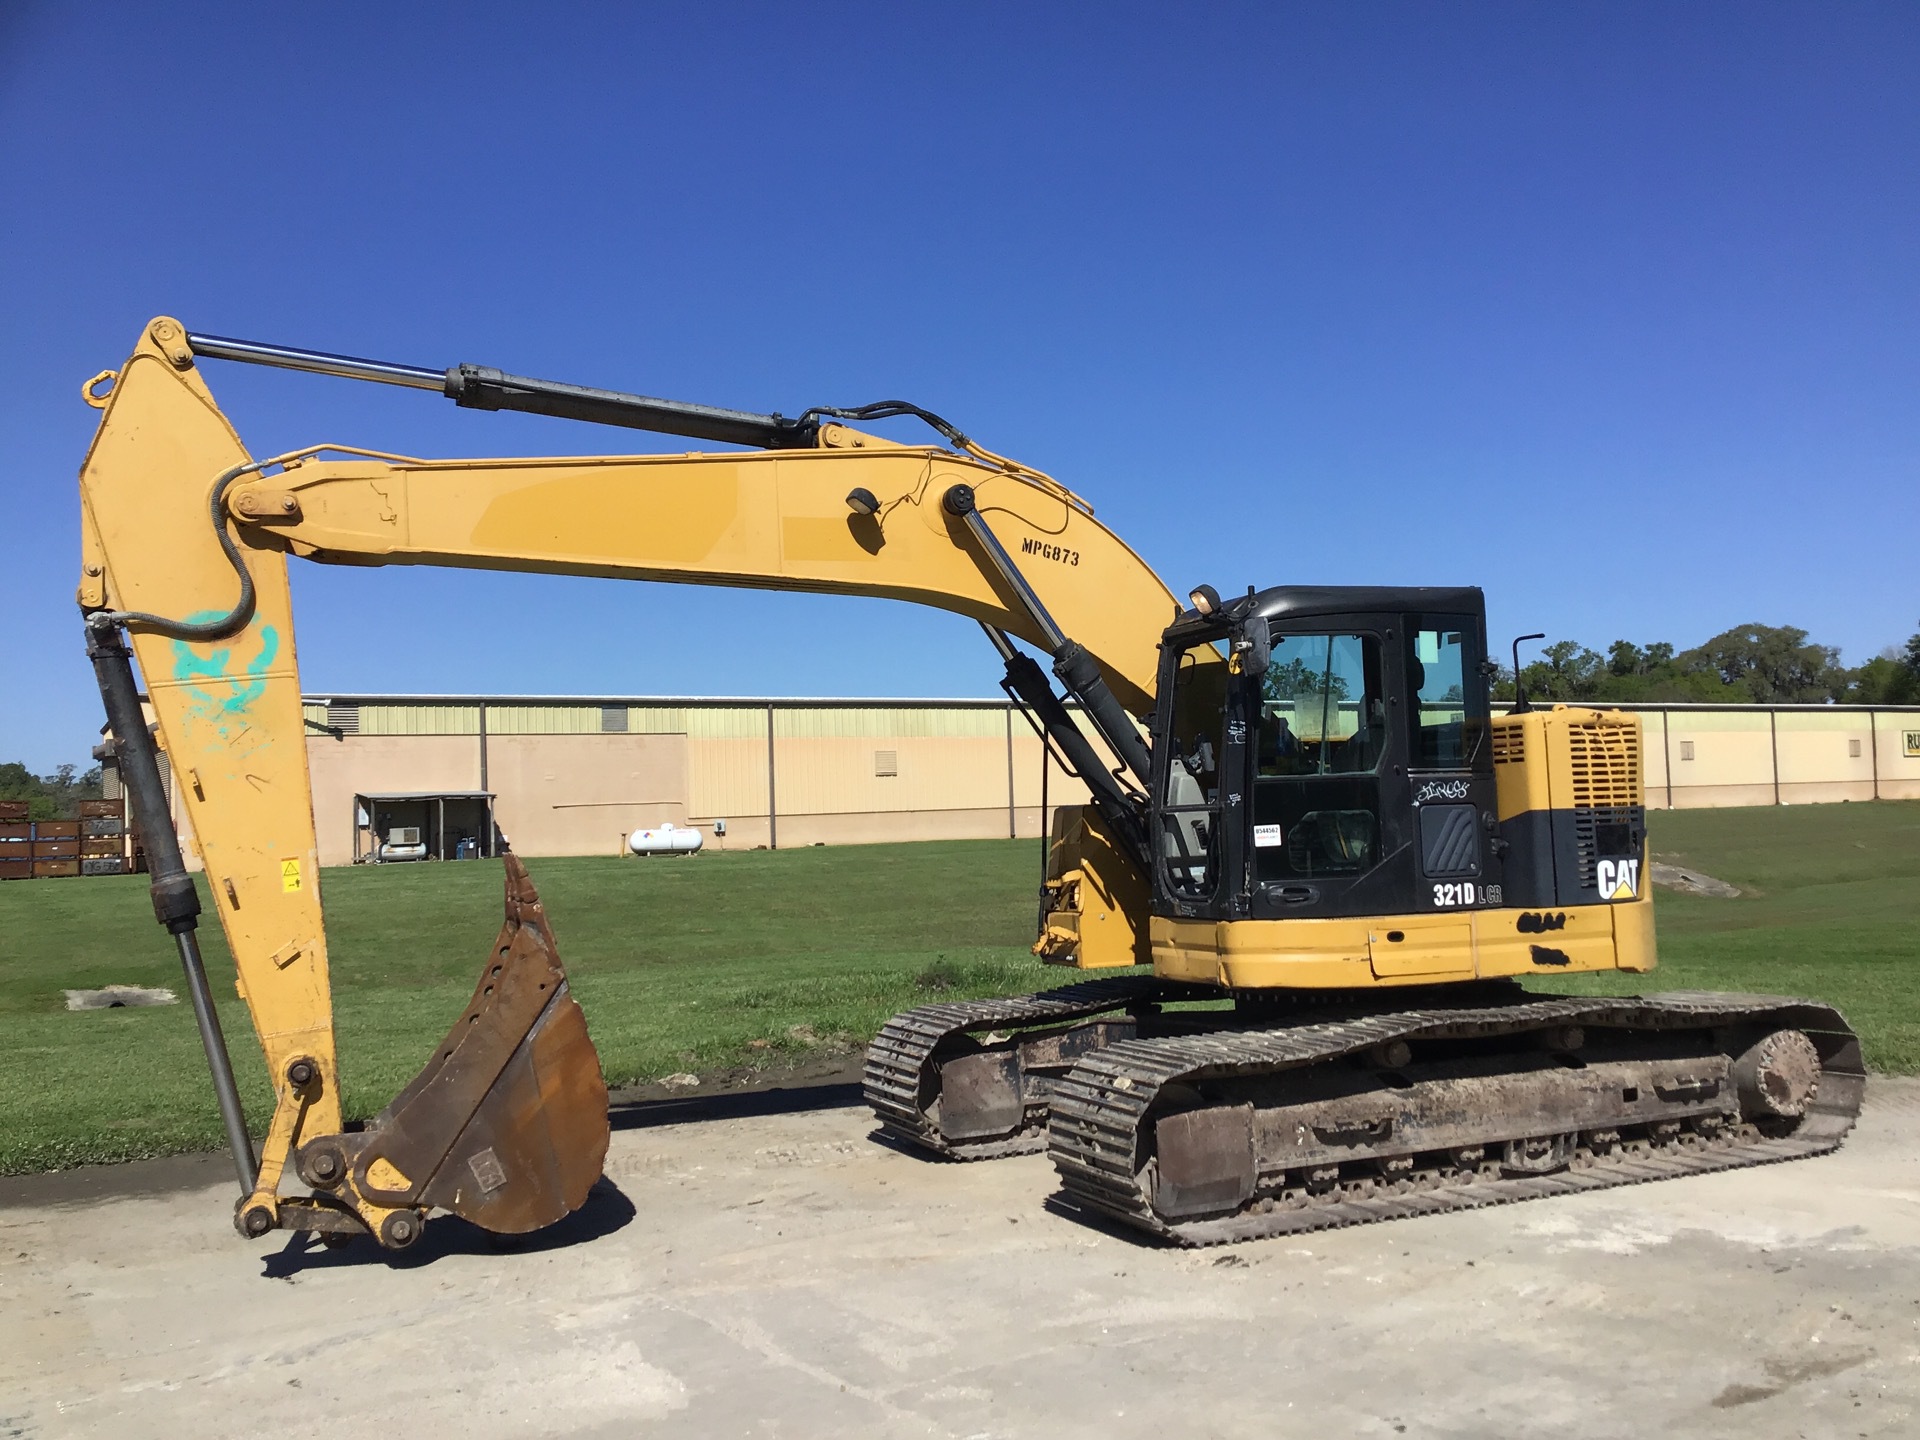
(1265, 837)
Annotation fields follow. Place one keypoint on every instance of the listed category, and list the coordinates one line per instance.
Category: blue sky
(1611, 309)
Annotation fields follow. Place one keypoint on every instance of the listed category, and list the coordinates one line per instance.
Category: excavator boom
(185, 545)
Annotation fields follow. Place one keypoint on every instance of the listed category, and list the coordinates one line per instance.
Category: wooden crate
(15, 830)
(15, 869)
(112, 866)
(103, 809)
(56, 830)
(56, 849)
(13, 810)
(48, 869)
(101, 849)
(104, 825)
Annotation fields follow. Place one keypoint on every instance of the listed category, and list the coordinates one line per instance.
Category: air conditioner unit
(404, 835)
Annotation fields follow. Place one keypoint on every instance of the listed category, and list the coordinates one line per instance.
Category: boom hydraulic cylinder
(1071, 662)
(176, 904)
(480, 387)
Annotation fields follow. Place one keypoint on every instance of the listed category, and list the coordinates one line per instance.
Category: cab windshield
(1320, 707)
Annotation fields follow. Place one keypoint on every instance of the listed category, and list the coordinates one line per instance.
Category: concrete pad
(782, 1275)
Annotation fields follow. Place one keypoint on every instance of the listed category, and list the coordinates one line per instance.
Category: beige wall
(584, 794)
(1899, 771)
(1750, 756)
(828, 789)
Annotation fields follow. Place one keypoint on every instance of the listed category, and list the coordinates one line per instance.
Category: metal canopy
(398, 795)
(365, 803)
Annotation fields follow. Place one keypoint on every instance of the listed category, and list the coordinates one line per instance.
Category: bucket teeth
(506, 1125)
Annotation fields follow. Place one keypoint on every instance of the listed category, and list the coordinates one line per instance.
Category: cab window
(1449, 732)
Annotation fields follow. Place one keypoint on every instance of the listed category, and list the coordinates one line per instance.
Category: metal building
(574, 775)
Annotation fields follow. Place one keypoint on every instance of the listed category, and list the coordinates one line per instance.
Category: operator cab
(1325, 751)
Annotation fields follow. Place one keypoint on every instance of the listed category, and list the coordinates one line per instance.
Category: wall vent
(886, 762)
(613, 719)
(343, 718)
(1686, 749)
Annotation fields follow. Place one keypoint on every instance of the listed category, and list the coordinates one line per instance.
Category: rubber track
(1100, 1108)
(902, 1050)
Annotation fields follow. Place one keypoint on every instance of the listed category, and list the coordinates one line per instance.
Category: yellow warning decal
(290, 876)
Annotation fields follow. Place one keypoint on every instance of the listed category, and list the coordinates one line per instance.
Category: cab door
(1195, 782)
(1450, 764)
(1328, 772)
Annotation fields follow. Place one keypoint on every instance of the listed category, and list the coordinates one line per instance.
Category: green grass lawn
(681, 964)
(717, 961)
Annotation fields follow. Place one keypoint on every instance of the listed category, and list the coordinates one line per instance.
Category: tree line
(1747, 665)
(49, 797)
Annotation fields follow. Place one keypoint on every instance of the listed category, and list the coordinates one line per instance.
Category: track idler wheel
(507, 1124)
(1777, 1077)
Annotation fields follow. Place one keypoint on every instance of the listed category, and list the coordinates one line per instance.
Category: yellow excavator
(1324, 863)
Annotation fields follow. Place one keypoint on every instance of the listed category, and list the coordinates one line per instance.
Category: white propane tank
(389, 852)
(668, 839)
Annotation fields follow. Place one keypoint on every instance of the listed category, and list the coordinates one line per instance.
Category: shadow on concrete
(887, 1140)
(1059, 1204)
(644, 1114)
(606, 1210)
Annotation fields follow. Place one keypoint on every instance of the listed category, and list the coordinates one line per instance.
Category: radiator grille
(1509, 743)
(1605, 760)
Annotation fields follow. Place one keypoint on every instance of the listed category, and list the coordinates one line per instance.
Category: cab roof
(1307, 602)
(1298, 601)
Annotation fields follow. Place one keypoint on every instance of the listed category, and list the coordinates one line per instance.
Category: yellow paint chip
(383, 1174)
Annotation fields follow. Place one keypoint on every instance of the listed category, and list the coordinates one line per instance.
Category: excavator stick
(506, 1126)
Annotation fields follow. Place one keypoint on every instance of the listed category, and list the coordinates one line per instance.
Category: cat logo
(1619, 879)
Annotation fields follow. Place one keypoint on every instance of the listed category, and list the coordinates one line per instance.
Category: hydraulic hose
(235, 620)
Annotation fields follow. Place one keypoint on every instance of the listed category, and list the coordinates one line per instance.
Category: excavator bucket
(507, 1124)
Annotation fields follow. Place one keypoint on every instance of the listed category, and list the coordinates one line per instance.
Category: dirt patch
(1785, 1374)
(116, 997)
(168, 1175)
(821, 1082)
(1689, 881)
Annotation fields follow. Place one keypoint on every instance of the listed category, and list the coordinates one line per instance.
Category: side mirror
(1252, 647)
(1520, 705)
